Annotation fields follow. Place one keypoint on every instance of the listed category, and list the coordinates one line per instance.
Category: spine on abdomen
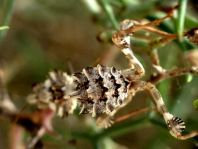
(54, 93)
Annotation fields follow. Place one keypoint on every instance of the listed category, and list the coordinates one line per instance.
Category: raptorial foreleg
(136, 70)
(174, 124)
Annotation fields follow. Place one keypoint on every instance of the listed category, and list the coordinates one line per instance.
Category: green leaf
(4, 28)
(189, 78)
(195, 103)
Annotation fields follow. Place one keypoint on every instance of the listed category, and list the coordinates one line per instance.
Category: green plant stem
(115, 130)
(7, 13)
(109, 12)
(123, 128)
(181, 18)
(183, 45)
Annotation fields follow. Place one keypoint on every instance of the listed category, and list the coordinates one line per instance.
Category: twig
(189, 135)
(132, 114)
(173, 73)
(148, 26)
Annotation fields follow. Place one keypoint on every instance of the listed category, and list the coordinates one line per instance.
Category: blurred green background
(71, 34)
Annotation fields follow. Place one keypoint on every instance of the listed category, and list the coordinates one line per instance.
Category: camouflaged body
(101, 90)
(95, 90)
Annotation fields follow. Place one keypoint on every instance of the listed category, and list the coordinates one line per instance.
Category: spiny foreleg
(135, 67)
(174, 124)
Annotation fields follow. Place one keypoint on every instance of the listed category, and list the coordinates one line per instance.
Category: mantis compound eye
(122, 39)
(126, 24)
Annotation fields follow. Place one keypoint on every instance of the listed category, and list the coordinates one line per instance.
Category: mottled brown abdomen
(95, 90)
(100, 89)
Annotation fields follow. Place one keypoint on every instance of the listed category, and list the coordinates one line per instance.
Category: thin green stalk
(6, 13)
(115, 130)
(123, 128)
(109, 12)
(181, 18)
